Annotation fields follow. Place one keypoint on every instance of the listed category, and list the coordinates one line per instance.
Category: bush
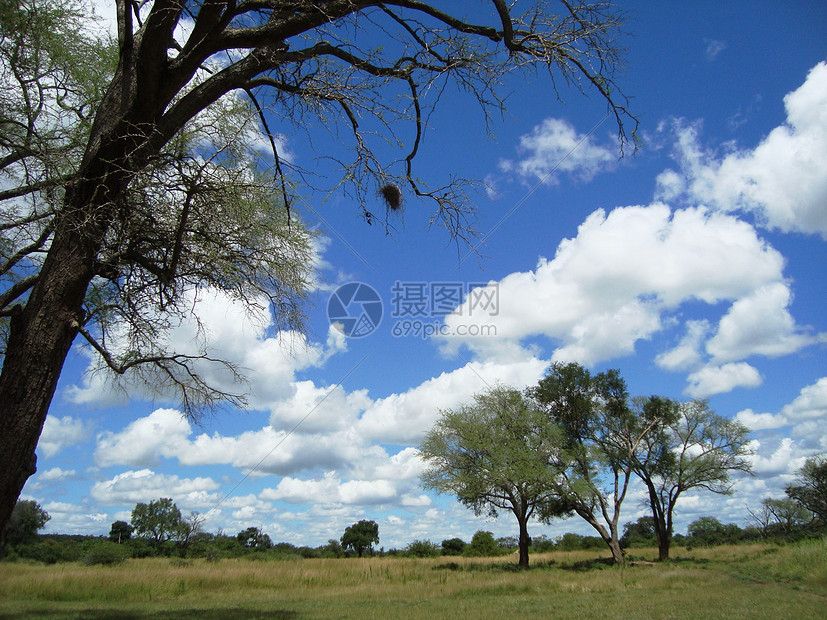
(483, 545)
(103, 553)
(423, 549)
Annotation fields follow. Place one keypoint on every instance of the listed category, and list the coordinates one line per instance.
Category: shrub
(103, 552)
(423, 549)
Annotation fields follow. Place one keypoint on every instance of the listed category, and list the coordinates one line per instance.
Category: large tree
(26, 519)
(496, 454)
(600, 432)
(160, 520)
(361, 536)
(690, 448)
(129, 181)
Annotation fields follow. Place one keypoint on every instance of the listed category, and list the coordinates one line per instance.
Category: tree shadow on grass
(186, 614)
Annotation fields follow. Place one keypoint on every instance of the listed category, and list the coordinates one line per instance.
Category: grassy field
(758, 581)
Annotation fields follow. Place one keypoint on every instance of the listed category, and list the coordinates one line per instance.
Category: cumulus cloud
(783, 180)
(759, 324)
(59, 433)
(721, 379)
(145, 485)
(405, 418)
(230, 330)
(806, 414)
(166, 433)
(555, 146)
(612, 284)
(332, 490)
(687, 354)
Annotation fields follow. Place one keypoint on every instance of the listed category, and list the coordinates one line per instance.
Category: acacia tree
(691, 447)
(600, 432)
(123, 192)
(810, 487)
(496, 454)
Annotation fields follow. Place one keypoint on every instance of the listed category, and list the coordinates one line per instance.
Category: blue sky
(696, 267)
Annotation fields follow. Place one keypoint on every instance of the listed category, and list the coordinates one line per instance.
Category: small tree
(691, 447)
(26, 519)
(453, 546)
(780, 517)
(810, 487)
(159, 520)
(254, 538)
(495, 454)
(639, 533)
(483, 544)
(423, 549)
(361, 537)
(120, 531)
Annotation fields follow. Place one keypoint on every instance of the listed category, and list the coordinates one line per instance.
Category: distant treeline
(54, 548)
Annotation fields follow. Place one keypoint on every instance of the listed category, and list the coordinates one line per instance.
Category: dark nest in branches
(392, 196)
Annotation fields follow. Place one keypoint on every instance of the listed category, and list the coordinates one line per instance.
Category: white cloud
(687, 353)
(783, 180)
(229, 330)
(332, 490)
(146, 485)
(55, 473)
(143, 441)
(405, 418)
(810, 404)
(712, 380)
(759, 324)
(59, 433)
(760, 421)
(555, 146)
(611, 285)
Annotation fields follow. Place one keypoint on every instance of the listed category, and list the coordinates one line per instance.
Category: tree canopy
(361, 536)
(160, 520)
(810, 487)
(26, 519)
(495, 454)
(599, 432)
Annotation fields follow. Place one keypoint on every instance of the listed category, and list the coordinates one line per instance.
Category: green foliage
(576, 542)
(598, 430)
(494, 454)
(361, 537)
(453, 546)
(103, 553)
(26, 519)
(709, 531)
(689, 447)
(120, 531)
(810, 487)
(423, 549)
(640, 533)
(160, 520)
(254, 538)
(483, 544)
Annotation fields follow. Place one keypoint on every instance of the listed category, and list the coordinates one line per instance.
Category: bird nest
(392, 196)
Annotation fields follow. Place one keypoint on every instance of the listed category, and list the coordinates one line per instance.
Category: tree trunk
(525, 542)
(39, 340)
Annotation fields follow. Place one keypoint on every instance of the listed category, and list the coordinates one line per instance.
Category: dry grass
(745, 581)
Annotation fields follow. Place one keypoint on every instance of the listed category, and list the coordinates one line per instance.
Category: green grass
(757, 581)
